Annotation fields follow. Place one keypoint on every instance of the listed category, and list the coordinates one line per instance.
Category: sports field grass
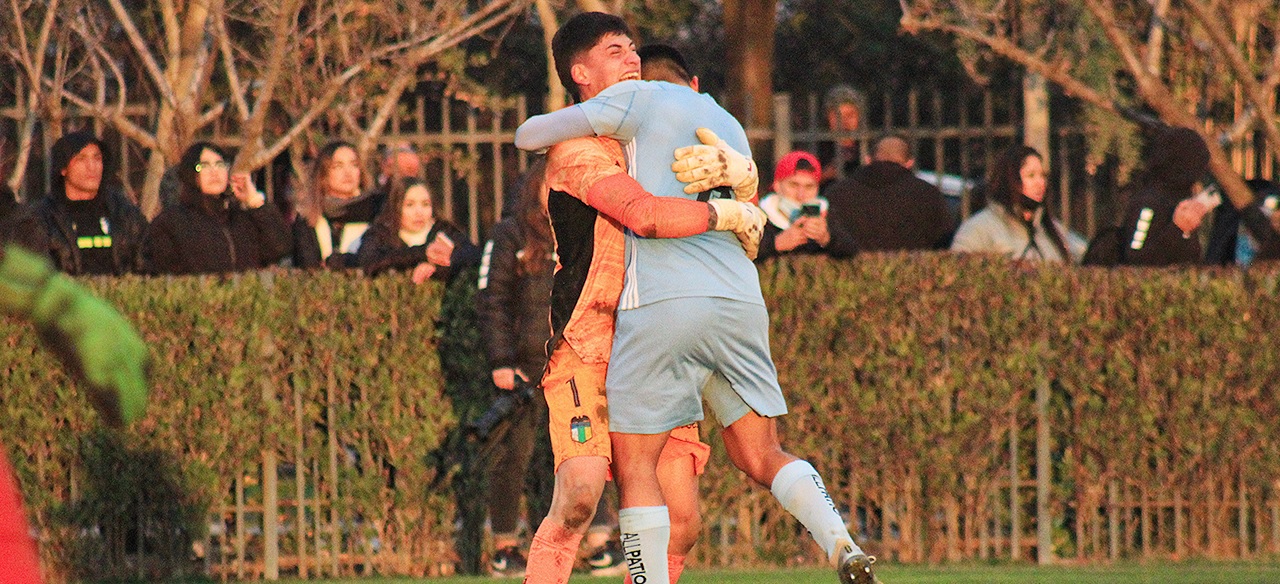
(1185, 573)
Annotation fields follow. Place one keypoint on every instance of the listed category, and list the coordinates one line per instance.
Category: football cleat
(856, 569)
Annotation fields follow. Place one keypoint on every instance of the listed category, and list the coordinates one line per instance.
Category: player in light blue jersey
(691, 323)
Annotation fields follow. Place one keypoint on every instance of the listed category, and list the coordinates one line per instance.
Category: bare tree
(266, 69)
(1199, 64)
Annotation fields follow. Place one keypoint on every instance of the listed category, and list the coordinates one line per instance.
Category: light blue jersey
(654, 118)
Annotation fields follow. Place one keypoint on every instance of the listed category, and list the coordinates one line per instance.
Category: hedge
(907, 376)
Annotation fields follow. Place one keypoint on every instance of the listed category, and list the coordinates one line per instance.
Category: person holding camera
(514, 304)
(797, 214)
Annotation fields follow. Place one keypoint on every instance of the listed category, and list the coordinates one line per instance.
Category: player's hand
(745, 220)
(715, 164)
(90, 337)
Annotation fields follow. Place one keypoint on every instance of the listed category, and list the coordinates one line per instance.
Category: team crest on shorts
(580, 429)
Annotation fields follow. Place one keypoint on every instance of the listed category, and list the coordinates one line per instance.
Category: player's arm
(88, 335)
(585, 170)
(543, 131)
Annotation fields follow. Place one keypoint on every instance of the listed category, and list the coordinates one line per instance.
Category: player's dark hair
(665, 58)
(578, 36)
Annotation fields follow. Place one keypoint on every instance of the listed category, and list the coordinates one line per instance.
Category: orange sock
(551, 554)
(675, 566)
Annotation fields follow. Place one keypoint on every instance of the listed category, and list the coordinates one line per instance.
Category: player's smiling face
(611, 60)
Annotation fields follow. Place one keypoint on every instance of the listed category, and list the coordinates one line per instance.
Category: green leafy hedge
(903, 372)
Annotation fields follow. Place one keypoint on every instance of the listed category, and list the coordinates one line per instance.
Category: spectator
(85, 224)
(1016, 222)
(1161, 215)
(1241, 237)
(332, 215)
(844, 107)
(883, 206)
(400, 162)
(797, 215)
(219, 223)
(514, 304)
(406, 235)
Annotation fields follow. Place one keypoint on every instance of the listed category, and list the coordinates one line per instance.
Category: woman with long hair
(1017, 222)
(333, 212)
(406, 235)
(220, 222)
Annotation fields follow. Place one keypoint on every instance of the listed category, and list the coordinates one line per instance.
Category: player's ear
(580, 74)
(693, 83)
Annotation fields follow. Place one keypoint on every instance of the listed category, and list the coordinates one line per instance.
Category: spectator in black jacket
(331, 213)
(883, 206)
(797, 214)
(1244, 236)
(1161, 216)
(86, 224)
(406, 235)
(514, 306)
(219, 224)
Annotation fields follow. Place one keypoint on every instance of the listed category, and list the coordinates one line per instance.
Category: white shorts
(669, 355)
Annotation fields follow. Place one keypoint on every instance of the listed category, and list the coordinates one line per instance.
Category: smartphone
(1211, 197)
(811, 210)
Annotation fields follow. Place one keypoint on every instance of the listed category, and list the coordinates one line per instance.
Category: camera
(502, 408)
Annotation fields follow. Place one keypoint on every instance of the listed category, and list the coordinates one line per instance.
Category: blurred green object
(91, 338)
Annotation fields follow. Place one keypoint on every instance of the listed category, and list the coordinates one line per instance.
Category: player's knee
(578, 515)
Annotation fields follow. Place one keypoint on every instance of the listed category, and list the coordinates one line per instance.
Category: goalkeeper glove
(88, 335)
(715, 164)
(744, 219)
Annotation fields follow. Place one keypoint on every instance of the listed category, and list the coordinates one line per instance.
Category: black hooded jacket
(45, 226)
(205, 234)
(1147, 235)
(883, 206)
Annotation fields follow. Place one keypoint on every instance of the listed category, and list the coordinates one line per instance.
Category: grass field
(1184, 573)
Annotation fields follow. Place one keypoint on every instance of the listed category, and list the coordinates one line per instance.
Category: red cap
(787, 166)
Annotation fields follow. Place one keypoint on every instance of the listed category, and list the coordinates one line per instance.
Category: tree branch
(116, 117)
(140, 46)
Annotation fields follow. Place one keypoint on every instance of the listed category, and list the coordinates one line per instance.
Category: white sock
(646, 531)
(800, 490)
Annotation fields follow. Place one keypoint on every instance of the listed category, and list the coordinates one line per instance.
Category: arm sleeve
(496, 302)
(378, 253)
(1160, 244)
(273, 235)
(541, 132)
(585, 170)
(1259, 226)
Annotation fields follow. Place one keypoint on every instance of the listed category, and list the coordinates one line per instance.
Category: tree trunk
(749, 40)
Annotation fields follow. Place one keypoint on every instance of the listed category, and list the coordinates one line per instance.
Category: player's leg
(682, 460)
(578, 421)
(746, 398)
(643, 518)
(752, 444)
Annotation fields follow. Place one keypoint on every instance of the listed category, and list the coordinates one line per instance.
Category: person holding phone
(406, 235)
(797, 214)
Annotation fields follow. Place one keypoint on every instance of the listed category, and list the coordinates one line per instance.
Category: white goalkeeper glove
(715, 164)
(744, 219)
